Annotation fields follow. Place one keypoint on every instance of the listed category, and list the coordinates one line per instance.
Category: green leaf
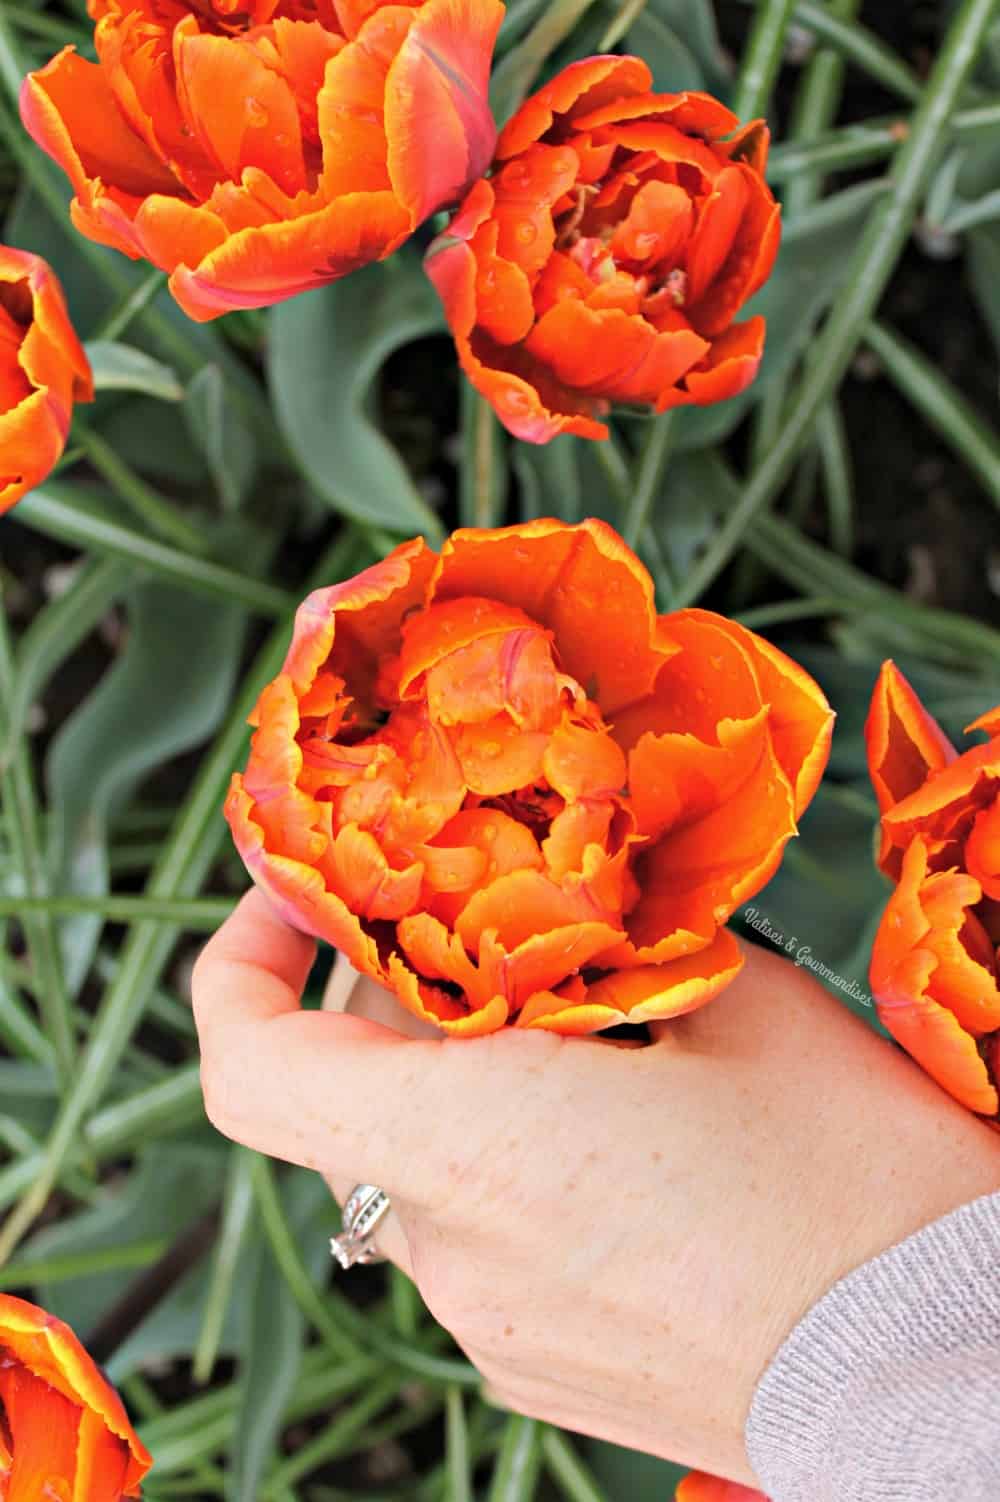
(54, 634)
(275, 1340)
(120, 367)
(166, 692)
(626, 1473)
(519, 1461)
(674, 65)
(171, 1185)
(694, 21)
(222, 433)
(327, 349)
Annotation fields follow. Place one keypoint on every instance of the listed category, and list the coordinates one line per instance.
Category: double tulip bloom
(506, 788)
(606, 258)
(935, 962)
(64, 1434)
(254, 151)
(43, 371)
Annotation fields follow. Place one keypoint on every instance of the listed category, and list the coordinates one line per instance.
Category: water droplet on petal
(257, 115)
(516, 175)
(515, 401)
(526, 233)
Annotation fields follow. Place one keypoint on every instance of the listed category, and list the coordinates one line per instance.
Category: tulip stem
(652, 461)
(145, 503)
(628, 13)
(566, 1467)
(860, 46)
(130, 306)
(762, 57)
(867, 275)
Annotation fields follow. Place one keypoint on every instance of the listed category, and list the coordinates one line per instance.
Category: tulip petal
(653, 992)
(699, 1486)
(905, 745)
(800, 718)
(903, 968)
(258, 267)
(356, 624)
(575, 92)
(982, 849)
(51, 1353)
(439, 84)
(582, 583)
(68, 109)
(260, 125)
(610, 352)
(728, 368)
(298, 891)
(431, 1004)
(700, 871)
(32, 439)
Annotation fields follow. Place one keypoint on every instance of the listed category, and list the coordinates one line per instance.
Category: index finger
(332, 1092)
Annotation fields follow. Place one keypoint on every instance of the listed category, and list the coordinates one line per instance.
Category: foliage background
(846, 506)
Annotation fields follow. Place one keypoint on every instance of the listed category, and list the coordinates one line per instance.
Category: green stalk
(653, 459)
(519, 1461)
(762, 57)
(566, 1468)
(146, 504)
(457, 1447)
(187, 857)
(939, 404)
(192, 914)
(860, 145)
(130, 306)
(18, 799)
(173, 1105)
(868, 274)
(56, 511)
(860, 46)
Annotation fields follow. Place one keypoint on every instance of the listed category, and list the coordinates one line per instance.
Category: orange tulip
(935, 962)
(606, 258)
(43, 371)
(257, 150)
(507, 789)
(699, 1486)
(64, 1434)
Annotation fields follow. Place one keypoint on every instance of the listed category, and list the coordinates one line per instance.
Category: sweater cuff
(887, 1390)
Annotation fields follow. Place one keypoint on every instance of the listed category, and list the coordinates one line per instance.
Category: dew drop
(516, 175)
(645, 245)
(526, 233)
(257, 115)
(516, 401)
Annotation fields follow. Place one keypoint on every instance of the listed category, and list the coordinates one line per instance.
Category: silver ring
(366, 1206)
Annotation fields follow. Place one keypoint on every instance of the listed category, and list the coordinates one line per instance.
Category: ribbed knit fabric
(888, 1390)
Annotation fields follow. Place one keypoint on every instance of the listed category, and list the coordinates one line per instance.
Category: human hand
(619, 1239)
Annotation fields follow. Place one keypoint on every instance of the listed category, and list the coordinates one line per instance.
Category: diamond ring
(366, 1206)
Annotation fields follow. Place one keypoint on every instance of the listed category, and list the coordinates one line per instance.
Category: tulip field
(615, 382)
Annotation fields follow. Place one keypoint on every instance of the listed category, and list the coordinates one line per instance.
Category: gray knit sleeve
(888, 1390)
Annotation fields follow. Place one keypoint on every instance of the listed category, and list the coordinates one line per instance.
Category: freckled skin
(634, 1289)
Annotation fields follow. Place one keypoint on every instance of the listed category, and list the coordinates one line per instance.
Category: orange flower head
(255, 150)
(607, 256)
(43, 371)
(63, 1430)
(699, 1486)
(508, 790)
(935, 963)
